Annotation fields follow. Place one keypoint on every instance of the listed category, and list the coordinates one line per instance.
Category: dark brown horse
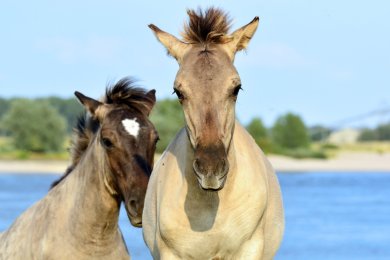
(78, 219)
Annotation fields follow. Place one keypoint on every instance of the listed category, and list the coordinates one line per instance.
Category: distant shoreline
(344, 162)
(33, 166)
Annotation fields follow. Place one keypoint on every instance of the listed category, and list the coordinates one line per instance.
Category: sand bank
(351, 161)
(33, 166)
(348, 161)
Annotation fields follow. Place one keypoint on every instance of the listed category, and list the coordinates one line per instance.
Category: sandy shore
(33, 166)
(357, 161)
(353, 162)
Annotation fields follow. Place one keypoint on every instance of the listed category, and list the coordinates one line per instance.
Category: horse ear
(174, 46)
(150, 101)
(241, 37)
(89, 103)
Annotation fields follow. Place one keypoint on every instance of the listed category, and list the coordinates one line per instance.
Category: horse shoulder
(163, 184)
(272, 226)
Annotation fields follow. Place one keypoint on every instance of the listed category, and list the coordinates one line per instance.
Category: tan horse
(78, 218)
(213, 194)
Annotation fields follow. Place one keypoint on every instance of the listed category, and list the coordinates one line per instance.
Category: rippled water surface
(328, 215)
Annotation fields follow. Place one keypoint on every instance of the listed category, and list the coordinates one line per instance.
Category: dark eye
(236, 90)
(157, 139)
(178, 94)
(107, 143)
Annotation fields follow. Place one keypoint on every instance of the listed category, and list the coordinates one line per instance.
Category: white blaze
(131, 126)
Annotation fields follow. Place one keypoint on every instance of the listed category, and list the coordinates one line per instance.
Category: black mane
(124, 92)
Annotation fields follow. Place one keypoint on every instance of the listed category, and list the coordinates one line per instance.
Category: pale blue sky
(324, 60)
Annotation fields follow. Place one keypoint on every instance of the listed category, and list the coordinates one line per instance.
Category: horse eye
(179, 95)
(236, 90)
(107, 143)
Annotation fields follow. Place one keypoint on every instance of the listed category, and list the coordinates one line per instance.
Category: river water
(329, 215)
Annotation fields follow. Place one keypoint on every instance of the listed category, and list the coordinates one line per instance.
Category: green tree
(260, 134)
(69, 108)
(319, 133)
(35, 126)
(168, 118)
(290, 132)
(380, 133)
(383, 132)
(368, 135)
(4, 106)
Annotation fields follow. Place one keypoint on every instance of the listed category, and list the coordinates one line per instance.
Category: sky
(327, 61)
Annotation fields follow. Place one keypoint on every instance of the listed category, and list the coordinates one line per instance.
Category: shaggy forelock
(124, 92)
(210, 26)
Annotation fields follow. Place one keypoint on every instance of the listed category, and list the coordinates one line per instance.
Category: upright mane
(210, 26)
(122, 93)
(125, 93)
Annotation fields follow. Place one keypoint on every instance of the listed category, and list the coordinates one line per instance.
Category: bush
(383, 132)
(368, 135)
(290, 132)
(319, 133)
(260, 134)
(69, 108)
(301, 153)
(329, 146)
(34, 126)
(168, 118)
(380, 133)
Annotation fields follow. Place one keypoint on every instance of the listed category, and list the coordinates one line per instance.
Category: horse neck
(193, 186)
(94, 210)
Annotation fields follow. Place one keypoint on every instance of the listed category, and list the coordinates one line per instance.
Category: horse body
(111, 163)
(186, 222)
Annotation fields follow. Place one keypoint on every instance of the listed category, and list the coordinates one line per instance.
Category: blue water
(328, 215)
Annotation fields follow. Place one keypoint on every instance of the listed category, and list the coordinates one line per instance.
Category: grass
(9, 152)
(377, 147)
(301, 153)
(321, 150)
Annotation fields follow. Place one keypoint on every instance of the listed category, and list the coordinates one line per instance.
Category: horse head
(207, 85)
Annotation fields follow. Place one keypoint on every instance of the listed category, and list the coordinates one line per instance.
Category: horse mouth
(135, 221)
(211, 183)
(133, 215)
(138, 224)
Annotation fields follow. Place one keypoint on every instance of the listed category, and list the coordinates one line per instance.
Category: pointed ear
(174, 46)
(241, 37)
(150, 101)
(89, 103)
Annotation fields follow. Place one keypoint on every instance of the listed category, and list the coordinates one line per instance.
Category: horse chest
(214, 231)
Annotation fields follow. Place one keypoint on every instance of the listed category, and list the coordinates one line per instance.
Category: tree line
(379, 133)
(43, 125)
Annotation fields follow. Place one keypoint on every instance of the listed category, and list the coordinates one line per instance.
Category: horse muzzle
(134, 212)
(212, 177)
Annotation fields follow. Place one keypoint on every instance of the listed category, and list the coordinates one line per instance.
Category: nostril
(225, 166)
(132, 207)
(196, 165)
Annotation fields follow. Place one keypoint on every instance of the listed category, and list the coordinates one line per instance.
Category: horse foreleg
(168, 255)
(253, 249)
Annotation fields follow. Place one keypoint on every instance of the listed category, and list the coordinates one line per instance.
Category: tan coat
(244, 220)
(73, 221)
